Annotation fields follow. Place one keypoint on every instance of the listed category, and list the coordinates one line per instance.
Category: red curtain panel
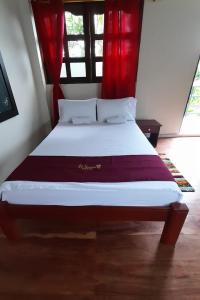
(49, 21)
(122, 31)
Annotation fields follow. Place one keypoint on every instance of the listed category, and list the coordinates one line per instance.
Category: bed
(94, 201)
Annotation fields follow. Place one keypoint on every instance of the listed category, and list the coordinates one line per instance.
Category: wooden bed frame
(173, 215)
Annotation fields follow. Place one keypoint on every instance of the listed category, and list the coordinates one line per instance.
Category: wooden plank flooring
(114, 262)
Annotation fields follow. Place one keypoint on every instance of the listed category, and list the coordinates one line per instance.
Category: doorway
(191, 119)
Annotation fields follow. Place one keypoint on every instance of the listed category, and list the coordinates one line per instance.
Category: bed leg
(174, 223)
(8, 224)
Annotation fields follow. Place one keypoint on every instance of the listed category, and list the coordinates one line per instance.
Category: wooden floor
(114, 262)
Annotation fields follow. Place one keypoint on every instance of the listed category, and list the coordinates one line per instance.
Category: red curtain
(122, 31)
(49, 21)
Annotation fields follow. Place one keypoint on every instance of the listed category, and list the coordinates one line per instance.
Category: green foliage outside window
(74, 24)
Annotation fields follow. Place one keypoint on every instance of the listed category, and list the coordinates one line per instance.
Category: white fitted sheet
(100, 139)
(93, 140)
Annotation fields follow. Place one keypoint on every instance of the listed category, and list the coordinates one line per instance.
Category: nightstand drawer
(153, 129)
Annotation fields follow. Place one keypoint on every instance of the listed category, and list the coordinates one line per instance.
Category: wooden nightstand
(151, 129)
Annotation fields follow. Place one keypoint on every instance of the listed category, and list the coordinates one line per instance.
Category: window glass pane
(76, 48)
(99, 24)
(98, 47)
(99, 68)
(78, 69)
(63, 72)
(74, 24)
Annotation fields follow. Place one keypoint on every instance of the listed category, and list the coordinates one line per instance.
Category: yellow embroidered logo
(89, 168)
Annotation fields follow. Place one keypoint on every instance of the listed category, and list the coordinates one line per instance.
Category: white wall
(170, 47)
(81, 91)
(19, 135)
(77, 91)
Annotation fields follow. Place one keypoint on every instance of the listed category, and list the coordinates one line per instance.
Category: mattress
(93, 140)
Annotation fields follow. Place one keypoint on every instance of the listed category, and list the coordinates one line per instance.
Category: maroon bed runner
(92, 169)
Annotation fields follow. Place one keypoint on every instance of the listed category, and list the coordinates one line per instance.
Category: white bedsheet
(100, 139)
(93, 140)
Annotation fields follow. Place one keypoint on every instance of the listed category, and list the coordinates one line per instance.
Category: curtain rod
(71, 1)
(67, 1)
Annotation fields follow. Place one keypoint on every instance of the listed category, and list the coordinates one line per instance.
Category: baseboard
(168, 135)
(175, 135)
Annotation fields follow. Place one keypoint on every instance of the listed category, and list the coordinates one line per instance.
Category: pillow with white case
(116, 119)
(69, 109)
(81, 120)
(116, 107)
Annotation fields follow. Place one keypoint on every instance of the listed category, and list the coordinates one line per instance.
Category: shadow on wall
(17, 154)
(26, 21)
(28, 65)
(16, 36)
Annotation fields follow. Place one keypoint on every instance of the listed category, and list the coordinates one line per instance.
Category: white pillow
(116, 107)
(81, 120)
(116, 120)
(69, 109)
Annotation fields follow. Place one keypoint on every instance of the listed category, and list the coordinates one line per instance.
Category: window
(83, 43)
